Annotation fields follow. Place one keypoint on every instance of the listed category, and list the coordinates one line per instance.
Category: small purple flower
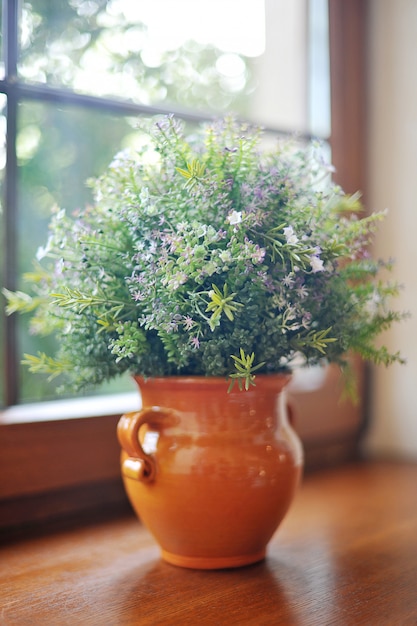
(306, 321)
(259, 192)
(156, 234)
(302, 292)
(258, 255)
(188, 322)
(195, 342)
(171, 327)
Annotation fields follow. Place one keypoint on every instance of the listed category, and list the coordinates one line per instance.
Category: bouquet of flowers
(208, 255)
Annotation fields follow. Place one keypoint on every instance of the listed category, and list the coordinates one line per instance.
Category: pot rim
(275, 381)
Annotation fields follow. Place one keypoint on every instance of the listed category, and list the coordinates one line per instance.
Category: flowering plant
(209, 256)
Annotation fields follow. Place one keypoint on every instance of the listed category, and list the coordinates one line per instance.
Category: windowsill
(327, 564)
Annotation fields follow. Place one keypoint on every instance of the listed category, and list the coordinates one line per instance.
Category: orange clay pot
(210, 473)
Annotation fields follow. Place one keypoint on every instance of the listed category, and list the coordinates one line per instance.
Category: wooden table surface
(345, 555)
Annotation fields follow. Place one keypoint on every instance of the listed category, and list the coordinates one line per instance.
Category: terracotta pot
(210, 473)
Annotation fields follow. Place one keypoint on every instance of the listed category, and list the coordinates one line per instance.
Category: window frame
(43, 479)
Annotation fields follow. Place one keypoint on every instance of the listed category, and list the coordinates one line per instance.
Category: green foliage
(221, 303)
(197, 250)
(245, 370)
(20, 301)
(193, 174)
(44, 364)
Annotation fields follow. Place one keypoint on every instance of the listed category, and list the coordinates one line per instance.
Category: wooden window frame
(53, 468)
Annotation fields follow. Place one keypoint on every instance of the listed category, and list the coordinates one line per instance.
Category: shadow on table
(159, 593)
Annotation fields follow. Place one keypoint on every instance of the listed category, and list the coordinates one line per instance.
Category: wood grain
(345, 555)
(348, 86)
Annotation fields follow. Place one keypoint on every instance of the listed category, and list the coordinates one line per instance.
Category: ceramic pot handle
(139, 465)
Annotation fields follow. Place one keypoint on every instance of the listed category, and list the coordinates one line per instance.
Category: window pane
(151, 52)
(244, 56)
(58, 150)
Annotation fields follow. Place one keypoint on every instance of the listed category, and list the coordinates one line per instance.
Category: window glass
(58, 149)
(145, 50)
(245, 56)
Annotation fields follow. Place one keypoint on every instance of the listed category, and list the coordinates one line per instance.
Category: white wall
(392, 179)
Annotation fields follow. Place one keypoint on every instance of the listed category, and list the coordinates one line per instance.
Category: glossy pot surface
(210, 473)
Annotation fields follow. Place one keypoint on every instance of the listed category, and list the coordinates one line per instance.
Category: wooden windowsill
(345, 554)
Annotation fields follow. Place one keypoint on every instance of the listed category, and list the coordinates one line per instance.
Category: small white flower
(120, 159)
(290, 235)
(373, 304)
(235, 217)
(225, 256)
(43, 251)
(288, 280)
(200, 230)
(150, 209)
(144, 195)
(59, 267)
(316, 264)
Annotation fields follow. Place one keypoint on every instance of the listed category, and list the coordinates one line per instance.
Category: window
(76, 77)
(67, 63)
